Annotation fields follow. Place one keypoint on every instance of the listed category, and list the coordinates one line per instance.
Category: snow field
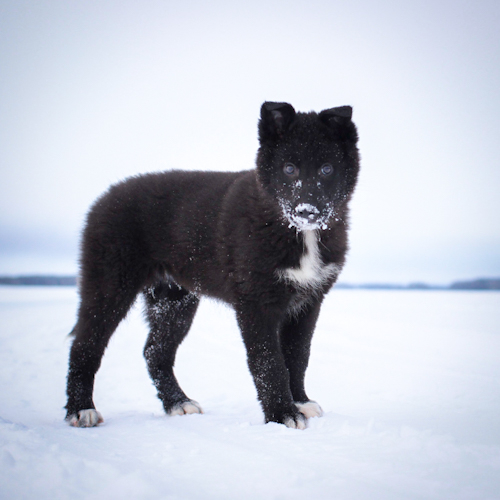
(409, 382)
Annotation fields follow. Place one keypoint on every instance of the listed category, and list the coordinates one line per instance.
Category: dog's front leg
(295, 341)
(260, 329)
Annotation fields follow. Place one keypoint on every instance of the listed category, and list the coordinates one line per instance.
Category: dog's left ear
(340, 115)
(275, 120)
(339, 119)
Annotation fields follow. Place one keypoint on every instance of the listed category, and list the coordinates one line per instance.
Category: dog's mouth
(306, 217)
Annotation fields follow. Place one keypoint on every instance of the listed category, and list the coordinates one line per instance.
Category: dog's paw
(291, 417)
(310, 409)
(298, 421)
(185, 408)
(85, 418)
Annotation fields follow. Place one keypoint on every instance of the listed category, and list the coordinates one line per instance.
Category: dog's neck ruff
(312, 272)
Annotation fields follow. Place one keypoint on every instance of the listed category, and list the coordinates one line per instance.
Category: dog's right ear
(275, 120)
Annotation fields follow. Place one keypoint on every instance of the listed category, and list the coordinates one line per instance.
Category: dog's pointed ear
(340, 115)
(275, 120)
(339, 119)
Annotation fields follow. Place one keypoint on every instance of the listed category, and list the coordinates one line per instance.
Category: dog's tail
(72, 333)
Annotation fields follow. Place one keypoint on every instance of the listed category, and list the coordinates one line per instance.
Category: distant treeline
(38, 280)
(477, 284)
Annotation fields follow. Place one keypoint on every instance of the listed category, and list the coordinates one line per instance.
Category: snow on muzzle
(307, 212)
(306, 217)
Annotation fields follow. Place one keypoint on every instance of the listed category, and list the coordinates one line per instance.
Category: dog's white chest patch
(312, 272)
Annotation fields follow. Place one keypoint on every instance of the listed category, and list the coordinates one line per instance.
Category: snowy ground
(409, 381)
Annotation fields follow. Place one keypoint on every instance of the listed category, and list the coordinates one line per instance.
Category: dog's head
(308, 162)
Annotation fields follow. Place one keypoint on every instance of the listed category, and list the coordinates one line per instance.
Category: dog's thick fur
(270, 242)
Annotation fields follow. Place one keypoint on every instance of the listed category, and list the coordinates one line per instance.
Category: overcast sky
(95, 91)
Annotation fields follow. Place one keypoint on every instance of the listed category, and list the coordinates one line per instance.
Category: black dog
(270, 242)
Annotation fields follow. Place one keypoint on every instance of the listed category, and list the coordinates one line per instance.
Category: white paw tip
(86, 418)
(310, 409)
(295, 424)
(186, 408)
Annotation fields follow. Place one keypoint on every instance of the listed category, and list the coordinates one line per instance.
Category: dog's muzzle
(307, 212)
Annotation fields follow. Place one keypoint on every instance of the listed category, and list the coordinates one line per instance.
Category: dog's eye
(290, 169)
(326, 169)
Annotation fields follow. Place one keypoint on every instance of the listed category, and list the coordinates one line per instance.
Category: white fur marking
(310, 409)
(311, 270)
(186, 408)
(86, 418)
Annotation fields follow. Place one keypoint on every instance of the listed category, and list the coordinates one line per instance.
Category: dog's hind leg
(99, 314)
(170, 310)
(295, 339)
